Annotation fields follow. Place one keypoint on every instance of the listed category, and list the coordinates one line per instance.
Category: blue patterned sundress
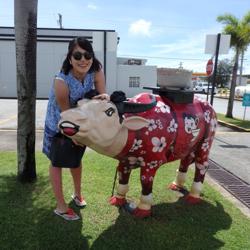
(77, 90)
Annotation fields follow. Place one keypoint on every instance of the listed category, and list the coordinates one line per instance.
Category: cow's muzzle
(69, 128)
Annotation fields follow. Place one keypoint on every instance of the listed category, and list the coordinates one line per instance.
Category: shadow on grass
(172, 226)
(27, 220)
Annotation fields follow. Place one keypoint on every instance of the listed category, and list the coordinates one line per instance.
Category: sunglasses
(77, 55)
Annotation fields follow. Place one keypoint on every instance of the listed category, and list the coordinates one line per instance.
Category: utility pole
(59, 21)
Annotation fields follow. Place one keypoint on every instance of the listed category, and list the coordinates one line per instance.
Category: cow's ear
(135, 122)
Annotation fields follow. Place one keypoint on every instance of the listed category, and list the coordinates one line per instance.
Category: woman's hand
(102, 97)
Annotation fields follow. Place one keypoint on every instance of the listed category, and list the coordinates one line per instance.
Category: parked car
(203, 87)
(241, 90)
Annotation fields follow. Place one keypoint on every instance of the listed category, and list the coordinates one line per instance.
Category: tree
(240, 39)
(224, 70)
(25, 37)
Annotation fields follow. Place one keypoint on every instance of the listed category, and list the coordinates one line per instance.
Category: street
(220, 106)
(8, 111)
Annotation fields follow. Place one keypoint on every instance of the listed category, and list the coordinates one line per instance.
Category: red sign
(210, 66)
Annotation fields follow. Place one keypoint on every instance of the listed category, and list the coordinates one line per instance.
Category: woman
(80, 72)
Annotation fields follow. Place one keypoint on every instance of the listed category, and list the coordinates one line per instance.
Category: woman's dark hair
(84, 44)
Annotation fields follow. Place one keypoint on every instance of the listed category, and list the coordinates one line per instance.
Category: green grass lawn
(27, 220)
(238, 122)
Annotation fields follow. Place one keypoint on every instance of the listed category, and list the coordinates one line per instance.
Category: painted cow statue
(145, 131)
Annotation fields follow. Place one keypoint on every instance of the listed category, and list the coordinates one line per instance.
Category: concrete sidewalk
(231, 150)
(8, 113)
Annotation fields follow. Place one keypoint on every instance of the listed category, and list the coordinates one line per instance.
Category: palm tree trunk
(232, 88)
(25, 36)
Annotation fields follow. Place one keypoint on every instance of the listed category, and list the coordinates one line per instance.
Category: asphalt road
(220, 106)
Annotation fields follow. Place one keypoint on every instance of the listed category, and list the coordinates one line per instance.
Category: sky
(166, 33)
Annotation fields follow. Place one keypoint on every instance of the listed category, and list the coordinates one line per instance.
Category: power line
(165, 58)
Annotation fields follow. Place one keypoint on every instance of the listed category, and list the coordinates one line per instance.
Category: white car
(241, 90)
(203, 87)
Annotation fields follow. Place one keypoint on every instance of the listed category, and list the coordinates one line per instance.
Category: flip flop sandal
(68, 215)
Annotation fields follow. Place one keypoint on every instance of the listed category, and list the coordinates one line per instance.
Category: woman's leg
(77, 178)
(56, 182)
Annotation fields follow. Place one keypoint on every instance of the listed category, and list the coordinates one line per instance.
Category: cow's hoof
(115, 201)
(141, 213)
(129, 207)
(177, 188)
(192, 200)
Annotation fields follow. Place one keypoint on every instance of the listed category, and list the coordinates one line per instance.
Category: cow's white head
(97, 124)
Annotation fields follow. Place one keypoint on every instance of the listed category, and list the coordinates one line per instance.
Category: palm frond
(228, 19)
(246, 19)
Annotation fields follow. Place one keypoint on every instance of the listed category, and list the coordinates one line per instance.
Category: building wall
(109, 61)
(49, 62)
(52, 47)
(7, 69)
(147, 75)
(242, 82)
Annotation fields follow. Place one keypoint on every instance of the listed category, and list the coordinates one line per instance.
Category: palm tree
(240, 39)
(25, 36)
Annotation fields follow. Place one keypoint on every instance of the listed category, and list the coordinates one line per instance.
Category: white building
(133, 75)
(128, 75)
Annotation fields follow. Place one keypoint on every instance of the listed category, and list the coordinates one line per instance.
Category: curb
(232, 126)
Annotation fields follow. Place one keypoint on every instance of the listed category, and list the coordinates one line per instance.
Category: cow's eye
(109, 111)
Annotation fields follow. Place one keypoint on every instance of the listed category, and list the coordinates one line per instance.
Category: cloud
(189, 44)
(91, 6)
(140, 27)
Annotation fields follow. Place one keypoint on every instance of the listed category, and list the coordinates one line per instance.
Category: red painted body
(176, 131)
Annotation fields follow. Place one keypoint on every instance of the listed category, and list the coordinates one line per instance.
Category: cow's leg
(119, 199)
(202, 155)
(178, 183)
(201, 160)
(201, 166)
(144, 207)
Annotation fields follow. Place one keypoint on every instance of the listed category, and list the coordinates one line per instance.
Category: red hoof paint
(177, 188)
(115, 201)
(193, 200)
(141, 213)
(174, 187)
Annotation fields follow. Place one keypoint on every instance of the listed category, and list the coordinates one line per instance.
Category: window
(134, 81)
(134, 62)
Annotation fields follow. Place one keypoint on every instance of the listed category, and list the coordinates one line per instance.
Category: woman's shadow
(172, 226)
